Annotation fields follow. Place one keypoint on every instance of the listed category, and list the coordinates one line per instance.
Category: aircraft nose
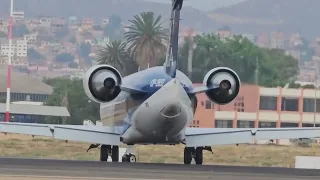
(171, 111)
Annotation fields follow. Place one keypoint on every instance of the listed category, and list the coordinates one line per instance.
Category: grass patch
(243, 155)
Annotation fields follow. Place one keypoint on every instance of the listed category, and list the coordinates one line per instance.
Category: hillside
(254, 16)
(98, 9)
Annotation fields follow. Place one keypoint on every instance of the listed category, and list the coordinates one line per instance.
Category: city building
(45, 22)
(224, 32)
(30, 38)
(260, 107)
(277, 40)
(19, 48)
(263, 40)
(86, 24)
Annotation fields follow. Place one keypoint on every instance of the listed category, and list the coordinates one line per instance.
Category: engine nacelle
(102, 83)
(227, 81)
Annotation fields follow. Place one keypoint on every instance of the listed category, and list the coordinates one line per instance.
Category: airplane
(155, 106)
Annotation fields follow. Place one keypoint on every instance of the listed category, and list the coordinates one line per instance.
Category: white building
(19, 48)
(30, 38)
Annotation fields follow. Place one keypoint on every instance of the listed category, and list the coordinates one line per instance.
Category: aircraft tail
(172, 50)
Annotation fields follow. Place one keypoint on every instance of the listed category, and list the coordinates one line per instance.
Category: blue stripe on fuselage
(149, 81)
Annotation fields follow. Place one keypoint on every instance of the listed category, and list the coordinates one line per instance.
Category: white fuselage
(162, 118)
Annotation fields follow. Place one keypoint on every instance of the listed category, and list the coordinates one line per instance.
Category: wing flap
(286, 133)
(222, 136)
(81, 133)
(86, 134)
(217, 137)
(29, 129)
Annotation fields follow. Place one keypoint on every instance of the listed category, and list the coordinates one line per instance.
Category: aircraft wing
(196, 137)
(82, 133)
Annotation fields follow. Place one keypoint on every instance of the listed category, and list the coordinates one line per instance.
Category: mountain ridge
(254, 16)
(105, 8)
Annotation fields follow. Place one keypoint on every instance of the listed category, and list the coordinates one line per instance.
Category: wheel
(104, 151)
(188, 151)
(115, 154)
(129, 158)
(132, 158)
(199, 155)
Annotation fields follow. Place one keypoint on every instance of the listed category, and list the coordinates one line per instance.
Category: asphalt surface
(14, 169)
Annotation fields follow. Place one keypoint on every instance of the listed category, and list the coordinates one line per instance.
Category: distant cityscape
(52, 46)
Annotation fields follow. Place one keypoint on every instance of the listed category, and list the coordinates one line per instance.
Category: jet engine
(227, 82)
(102, 83)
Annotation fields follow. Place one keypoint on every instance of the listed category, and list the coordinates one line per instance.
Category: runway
(33, 169)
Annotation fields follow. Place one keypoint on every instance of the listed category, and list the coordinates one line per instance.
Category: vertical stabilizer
(172, 50)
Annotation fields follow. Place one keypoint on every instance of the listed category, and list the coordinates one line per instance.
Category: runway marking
(71, 177)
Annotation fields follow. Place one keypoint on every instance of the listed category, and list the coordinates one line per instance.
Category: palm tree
(116, 54)
(146, 37)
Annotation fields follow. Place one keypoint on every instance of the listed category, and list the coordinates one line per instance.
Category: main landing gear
(196, 153)
(113, 151)
(106, 150)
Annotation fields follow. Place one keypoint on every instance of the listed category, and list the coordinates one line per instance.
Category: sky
(204, 5)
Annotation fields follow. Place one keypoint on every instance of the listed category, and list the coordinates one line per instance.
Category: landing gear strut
(129, 156)
(107, 150)
(196, 153)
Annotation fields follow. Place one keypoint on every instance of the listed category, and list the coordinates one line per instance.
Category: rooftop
(36, 110)
(22, 83)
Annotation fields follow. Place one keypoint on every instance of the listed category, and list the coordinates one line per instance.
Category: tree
(64, 58)
(296, 86)
(19, 30)
(146, 36)
(84, 50)
(114, 30)
(238, 53)
(61, 33)
(73, 65)
(116, 54)
(70, 93)
(34, 56)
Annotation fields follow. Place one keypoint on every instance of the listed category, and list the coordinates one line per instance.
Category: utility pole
(315, 100)
(257, 72)
(190, 52)
(7, 116)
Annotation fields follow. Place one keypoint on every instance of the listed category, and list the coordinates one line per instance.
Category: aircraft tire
(188, 151)
(199, 155)
(115, 154)
(104, 150)
(131, 158)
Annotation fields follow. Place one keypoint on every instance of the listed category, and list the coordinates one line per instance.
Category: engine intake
(102, 83)
(227, 81)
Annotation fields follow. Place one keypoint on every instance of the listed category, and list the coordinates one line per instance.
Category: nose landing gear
(129, 156)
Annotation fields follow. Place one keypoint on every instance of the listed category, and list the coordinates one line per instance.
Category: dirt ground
(245, 155)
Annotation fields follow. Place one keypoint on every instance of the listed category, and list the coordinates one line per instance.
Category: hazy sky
(205, 5)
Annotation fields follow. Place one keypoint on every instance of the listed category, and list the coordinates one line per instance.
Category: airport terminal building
(30, 90)
(260, 107)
